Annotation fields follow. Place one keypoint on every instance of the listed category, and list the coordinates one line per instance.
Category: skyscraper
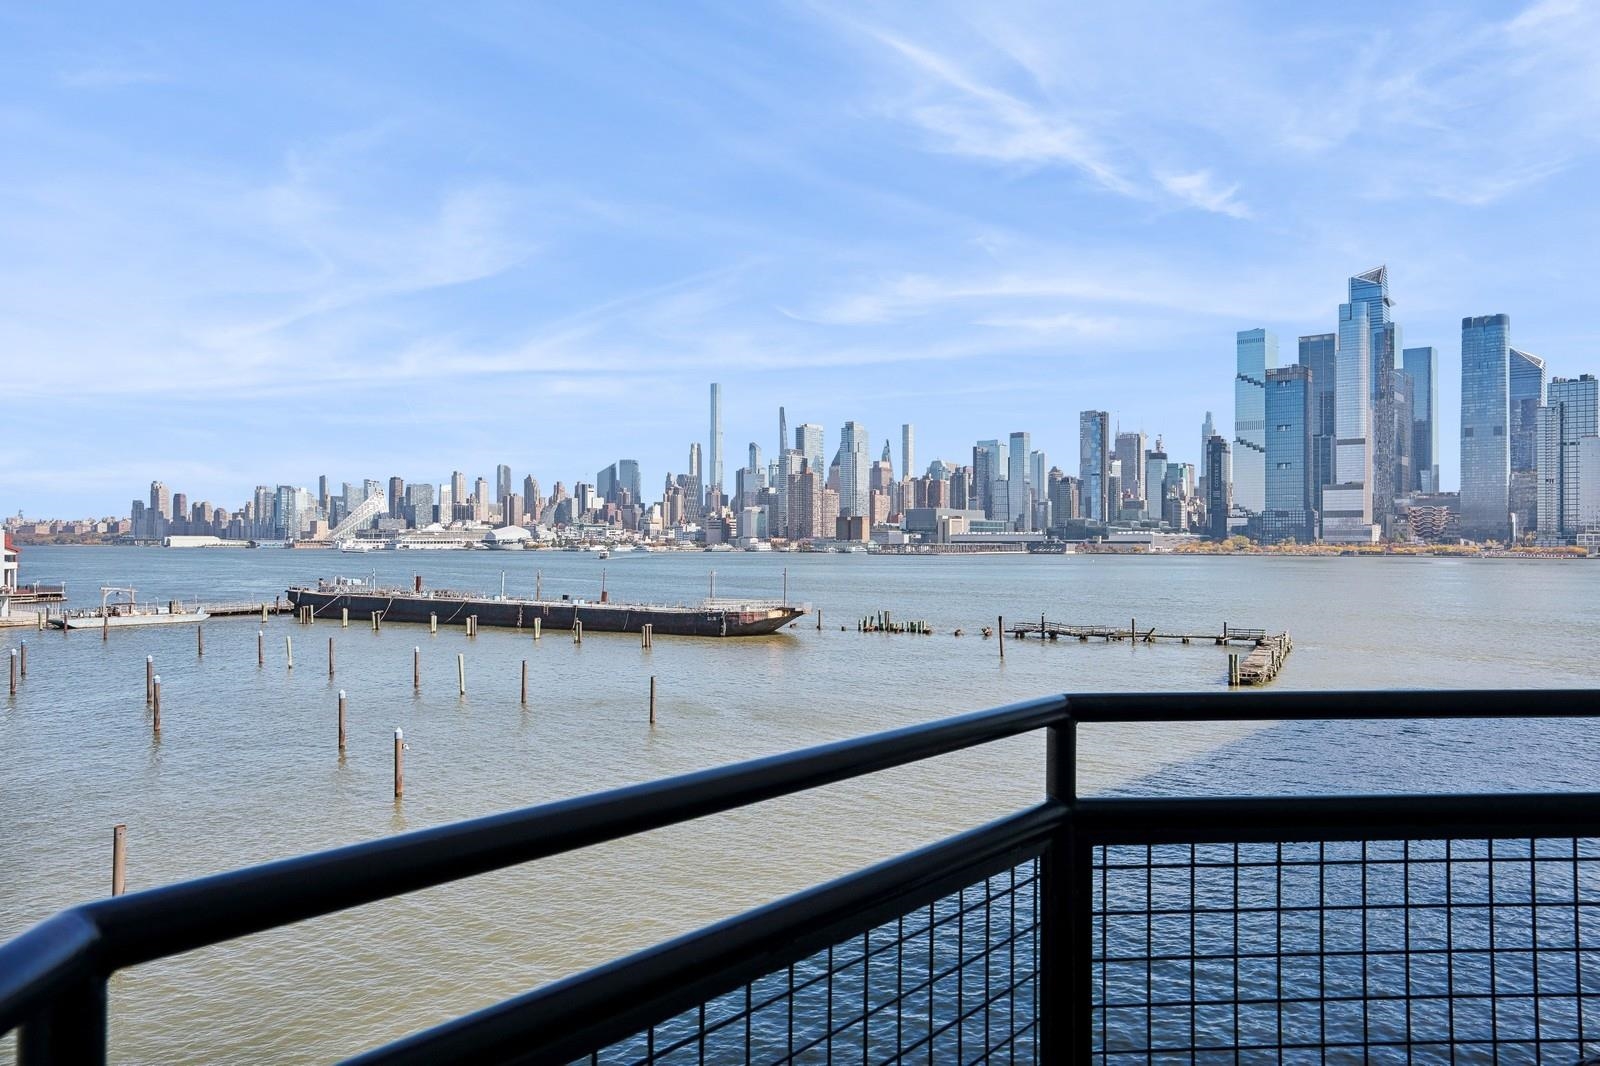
(1219, 482)
(1290, 510)
(1485, 422)
(628, 478)
(1255, 350)
(1155, 482)
(783, 432)
(1371, 291)
(1318, 354)
(1347, 501)
(1094, 464)
(808, 441)
(908, 451)
(1570, 414)
(854, 471)
(1422, 367)
(714, 448)
(1208, 430)
(1130, 449)
(1526, 376)
(1391, 425)
(988, 470)
(1019, 508)
(502, 483)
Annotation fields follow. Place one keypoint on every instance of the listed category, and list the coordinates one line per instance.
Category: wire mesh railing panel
(955, 981)
(1381, 951)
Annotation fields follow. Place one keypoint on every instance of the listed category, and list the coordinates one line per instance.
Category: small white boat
(360, 546)
(119, 607)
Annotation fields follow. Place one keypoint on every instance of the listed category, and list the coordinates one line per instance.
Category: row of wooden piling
(882, 622)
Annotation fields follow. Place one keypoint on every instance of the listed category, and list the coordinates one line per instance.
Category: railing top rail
(1333, 706)
(173, 919)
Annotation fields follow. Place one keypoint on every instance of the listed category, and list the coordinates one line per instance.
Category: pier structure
(1260, 666)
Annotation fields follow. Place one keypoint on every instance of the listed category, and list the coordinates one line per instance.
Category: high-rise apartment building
(783, 432)
(908, 451)
(808, 439)
(854, 471)
(1290, 495)
(397, 503)
(1485, 425)
(1569, 416)
(1219, 484)
(419, 505)
(1094, 464)
(1155, 482)
(988, 469)
(1019, 505)
(1392, 429)
(714, 447)
(1422, 367)
(1255, 351)
(1130, 450)
(1208, 429)
(502, 484)
(1318, 354)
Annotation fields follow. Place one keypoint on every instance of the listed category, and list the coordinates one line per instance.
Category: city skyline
(952, 217)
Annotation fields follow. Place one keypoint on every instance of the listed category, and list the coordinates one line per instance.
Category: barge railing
(1080, 929)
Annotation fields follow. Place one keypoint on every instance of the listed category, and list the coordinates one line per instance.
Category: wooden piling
(1233, 669)
(433, 623)
(23, 659)
(524, 682)
(288, 649)
(341, 721)
(1000, 631)
(261, 647)
(105, 627)
(819, 619)
(399, 763)
(577, 631)
(472, 625)
(155, 702)
(375, 617)
(652, 699)
(263, 614)
(344, 618)
(119, 859)
(536, 628)
(330, 656)
(461, 673)
(149, 679)
(13, 671)
(416, 669)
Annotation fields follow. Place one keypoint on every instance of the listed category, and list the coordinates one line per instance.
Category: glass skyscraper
(1347, 501)
(1318, 354)
(1289, 510)
(1094, 463)
(1256, 350)
(1526, 375)
(1422, 367)
(1019, 509)
(1485, 422)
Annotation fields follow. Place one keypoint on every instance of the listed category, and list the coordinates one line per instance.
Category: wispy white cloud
(1199, 188)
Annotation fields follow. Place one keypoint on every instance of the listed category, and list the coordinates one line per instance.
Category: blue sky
(258, 243)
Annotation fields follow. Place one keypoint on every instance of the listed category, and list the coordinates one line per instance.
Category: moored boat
(120, 607)
(710, 618)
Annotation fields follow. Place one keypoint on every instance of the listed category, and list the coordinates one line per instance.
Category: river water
(246, 768)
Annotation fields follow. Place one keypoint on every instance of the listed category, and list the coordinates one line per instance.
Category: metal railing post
(71, 1028)
(1065, 916)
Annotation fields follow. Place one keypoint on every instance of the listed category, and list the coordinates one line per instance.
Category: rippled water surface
(246, 767)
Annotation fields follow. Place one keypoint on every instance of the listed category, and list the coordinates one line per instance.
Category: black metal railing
(1080, 929)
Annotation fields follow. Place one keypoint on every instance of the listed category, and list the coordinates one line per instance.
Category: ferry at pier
(709, 618)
